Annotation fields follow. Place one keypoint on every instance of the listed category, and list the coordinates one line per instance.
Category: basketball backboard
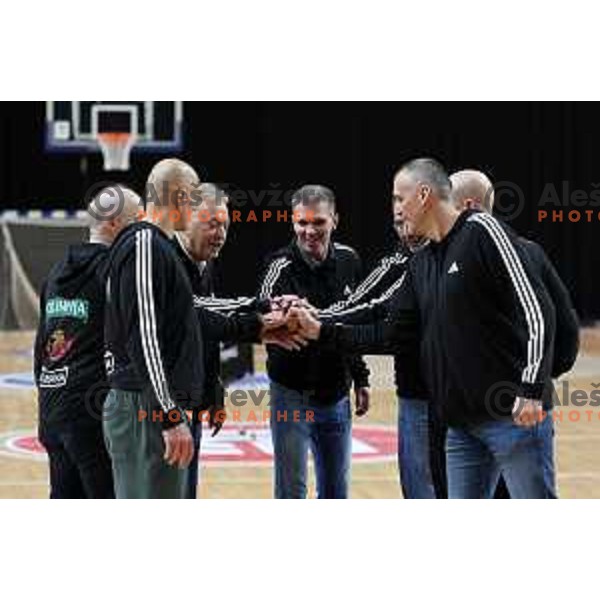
(76, 126)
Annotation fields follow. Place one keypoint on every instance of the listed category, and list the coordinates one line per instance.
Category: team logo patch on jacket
(76, 308)
(58, 345)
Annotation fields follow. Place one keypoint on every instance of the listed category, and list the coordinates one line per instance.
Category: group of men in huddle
(477, 319)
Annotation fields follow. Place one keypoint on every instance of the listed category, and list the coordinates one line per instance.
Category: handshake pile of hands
(290, 323)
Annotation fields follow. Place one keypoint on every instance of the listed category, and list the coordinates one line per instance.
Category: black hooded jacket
(69, 346)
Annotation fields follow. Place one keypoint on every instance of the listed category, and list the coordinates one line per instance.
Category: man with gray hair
(221, 319)
(471, 189)
(197, 247)
(487, 328)
(69, 354)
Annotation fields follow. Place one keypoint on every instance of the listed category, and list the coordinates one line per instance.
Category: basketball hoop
(116, 147)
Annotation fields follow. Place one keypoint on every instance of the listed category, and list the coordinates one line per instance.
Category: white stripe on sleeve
(366, 305)
(222, 304)
(525, 293)
(147, 318)
(275, 269)
(365, 287)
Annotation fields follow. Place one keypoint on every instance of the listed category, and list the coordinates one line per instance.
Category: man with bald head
(472, 189)
(154, 344)
(69, 354)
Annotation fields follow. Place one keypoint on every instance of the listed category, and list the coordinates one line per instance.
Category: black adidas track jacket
(486, 319)
(372, 300)
(325, 373)
(221, 320)
(153, 338)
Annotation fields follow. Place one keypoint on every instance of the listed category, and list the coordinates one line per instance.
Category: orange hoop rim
(115, 136)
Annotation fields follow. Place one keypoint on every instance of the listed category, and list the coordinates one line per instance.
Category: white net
(29, 245)
(116, 148)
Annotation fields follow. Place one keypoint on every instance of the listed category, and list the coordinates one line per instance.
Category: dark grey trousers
(136, 448)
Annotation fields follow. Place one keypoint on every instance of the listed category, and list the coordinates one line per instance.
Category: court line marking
(10, 451)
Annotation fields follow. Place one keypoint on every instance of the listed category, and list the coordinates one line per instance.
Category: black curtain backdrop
(259, 149)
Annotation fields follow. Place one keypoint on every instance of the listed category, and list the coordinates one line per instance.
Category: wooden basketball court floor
(577, 439)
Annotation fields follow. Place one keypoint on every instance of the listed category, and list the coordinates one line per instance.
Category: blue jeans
(476, 456)
(297, 425)
(414, 462)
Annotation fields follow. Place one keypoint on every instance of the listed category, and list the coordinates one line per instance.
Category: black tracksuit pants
(79, 463)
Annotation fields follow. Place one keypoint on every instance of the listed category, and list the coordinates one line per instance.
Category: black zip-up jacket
(372, 300)
(152, 334)
(566, 340)
(221, 319)
(68, 351)
(325, 374)
(487, 322)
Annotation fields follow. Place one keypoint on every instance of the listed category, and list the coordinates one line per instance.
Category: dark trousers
(137, 448)
(79, 463)
(437, 453)
(193, 469)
